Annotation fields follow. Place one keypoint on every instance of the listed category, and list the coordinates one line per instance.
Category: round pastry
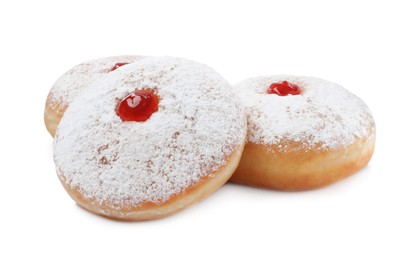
(303, 133)
(150, 139)
(74, 82)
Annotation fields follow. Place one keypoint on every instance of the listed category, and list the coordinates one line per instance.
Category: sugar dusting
(324, 116)
(199, 123)
(77, 79)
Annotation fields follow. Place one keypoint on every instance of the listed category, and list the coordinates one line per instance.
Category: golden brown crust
(268, 166)
(52, 115)
(151, 210)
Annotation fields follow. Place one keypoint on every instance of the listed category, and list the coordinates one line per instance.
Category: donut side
(267, 166)
(53, 113)
(151, 210)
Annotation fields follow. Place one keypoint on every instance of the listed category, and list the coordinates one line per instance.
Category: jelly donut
(303, 133)
(76, 80)
(150, 139)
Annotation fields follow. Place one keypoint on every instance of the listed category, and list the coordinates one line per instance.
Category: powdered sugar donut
(74, 82)
(149, 139)
(303, 133)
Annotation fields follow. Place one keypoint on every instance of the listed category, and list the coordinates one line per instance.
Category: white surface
(366, 46)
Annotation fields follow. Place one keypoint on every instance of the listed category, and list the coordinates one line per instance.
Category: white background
(369, 47)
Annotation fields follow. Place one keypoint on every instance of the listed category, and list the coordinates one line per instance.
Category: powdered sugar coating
(199, 123)
(324, 116)
(77, 79)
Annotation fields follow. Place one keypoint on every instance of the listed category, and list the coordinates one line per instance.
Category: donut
(303, 133)
(74, 82)
(150, 139)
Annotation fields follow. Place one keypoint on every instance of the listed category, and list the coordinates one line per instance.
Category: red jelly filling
(283, 88)
(138, 106)
(118, 65)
